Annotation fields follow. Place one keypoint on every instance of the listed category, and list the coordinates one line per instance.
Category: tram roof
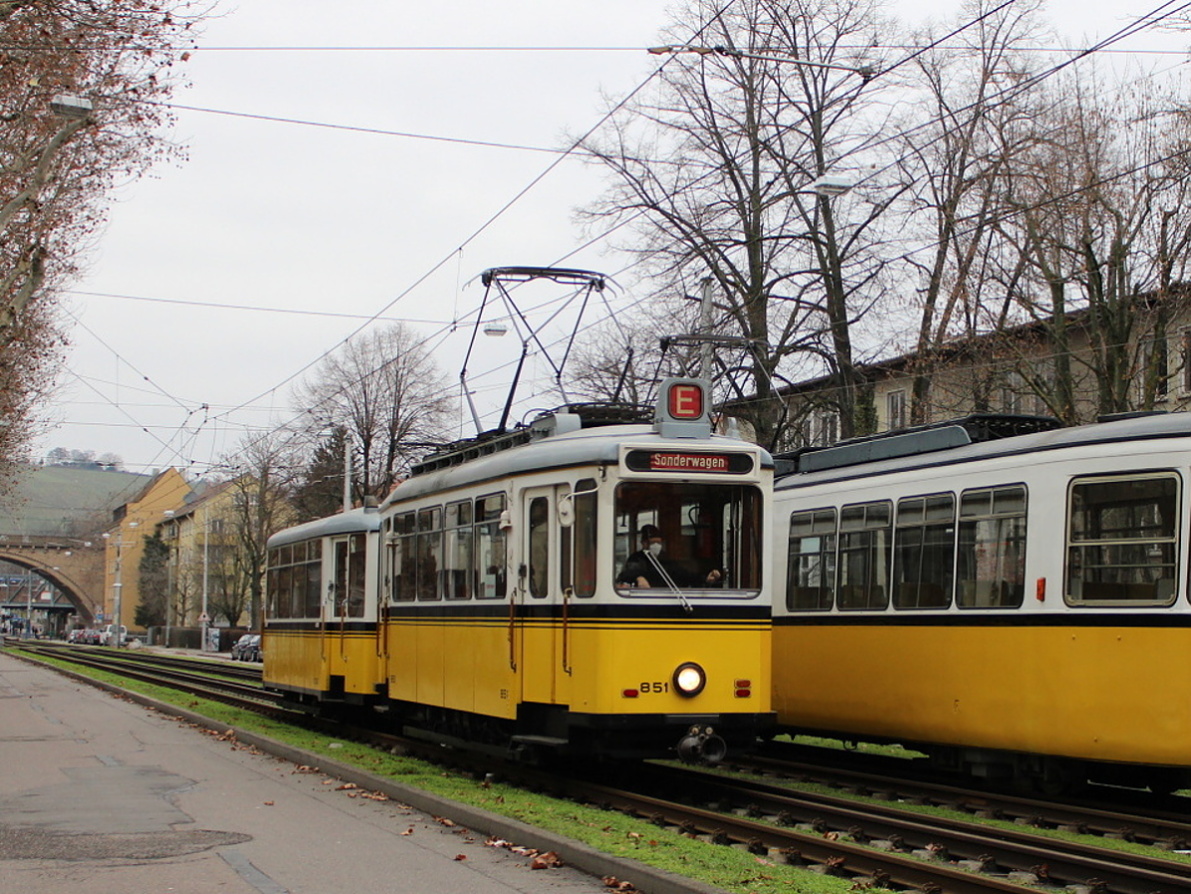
(949, 451)
(353, 522)
(583, 447)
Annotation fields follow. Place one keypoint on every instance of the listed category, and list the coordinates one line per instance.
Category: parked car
(108, 637)
(247, 648)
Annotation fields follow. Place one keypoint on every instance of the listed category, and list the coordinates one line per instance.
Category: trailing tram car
(592, 584)
(321, 607)
(1009, 597)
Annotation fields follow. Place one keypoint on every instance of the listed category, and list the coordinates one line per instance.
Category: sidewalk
(101, 794)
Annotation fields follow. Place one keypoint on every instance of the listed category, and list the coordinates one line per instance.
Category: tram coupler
(702, 745)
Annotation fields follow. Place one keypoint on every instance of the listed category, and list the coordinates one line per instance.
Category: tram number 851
(654, 687)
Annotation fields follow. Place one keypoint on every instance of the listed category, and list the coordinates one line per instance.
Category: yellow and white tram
(501, 615)
(321, 608)
(1007, 604)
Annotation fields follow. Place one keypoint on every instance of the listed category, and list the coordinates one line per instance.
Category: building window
(1013, 395)
(895, 405)
(1154, 362)
(1187, 360)
(828, 426)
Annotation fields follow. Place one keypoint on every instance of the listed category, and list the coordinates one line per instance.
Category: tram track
(1020, 856)
(876, 845)
(1165, 829)
(218, 681)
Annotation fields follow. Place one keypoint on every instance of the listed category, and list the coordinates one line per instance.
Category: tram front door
(536, 599)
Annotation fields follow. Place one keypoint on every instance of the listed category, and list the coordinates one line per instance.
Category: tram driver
(649, 567)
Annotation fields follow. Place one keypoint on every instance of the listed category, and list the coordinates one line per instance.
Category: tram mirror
(566, 511)
(506, 520)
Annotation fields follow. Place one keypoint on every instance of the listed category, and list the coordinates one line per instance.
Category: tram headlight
(689, 679)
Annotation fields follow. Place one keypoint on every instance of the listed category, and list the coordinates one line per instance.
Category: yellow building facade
(124, 543)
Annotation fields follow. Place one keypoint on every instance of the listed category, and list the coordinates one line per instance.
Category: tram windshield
(687, 536)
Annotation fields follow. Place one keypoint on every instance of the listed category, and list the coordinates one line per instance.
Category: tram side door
(536, 596)
(345, 597)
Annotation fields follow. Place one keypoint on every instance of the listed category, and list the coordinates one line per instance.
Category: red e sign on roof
(685, 401)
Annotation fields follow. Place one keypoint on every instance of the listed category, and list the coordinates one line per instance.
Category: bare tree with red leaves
(116, 60)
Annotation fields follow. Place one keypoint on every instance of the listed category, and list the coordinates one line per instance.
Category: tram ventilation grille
(936, 436)
(590, 415)
(593, 415)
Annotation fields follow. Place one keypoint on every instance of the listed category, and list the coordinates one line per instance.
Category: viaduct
(76, 567)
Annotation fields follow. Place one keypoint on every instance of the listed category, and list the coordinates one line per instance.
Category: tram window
(429, 558)
(293, 582)
(285, 592)
(924, 552)
(311, 602)
(272, 609)
(490, 548)
(810, 577)
(711, 533)
(356, 576)
(577, 547)
(457, 533)
(1122, 540)
(271, 590)
(865, 532)
(539, 547)
(991, 561)
(402, 553)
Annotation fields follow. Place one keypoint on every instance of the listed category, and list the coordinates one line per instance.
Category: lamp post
(118, 584)
(28, 603)
(205, 619)
(169, 573)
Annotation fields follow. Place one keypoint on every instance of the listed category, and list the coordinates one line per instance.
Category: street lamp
(830, 185)
(28, 603)
(169, 573)
(68, 106)
(117, 584)
(205, 618)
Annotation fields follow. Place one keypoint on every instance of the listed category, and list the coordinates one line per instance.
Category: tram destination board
(689, 461)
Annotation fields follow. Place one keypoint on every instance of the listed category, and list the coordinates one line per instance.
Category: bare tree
(385, 390)
(1103, 229)
(260, 507)
(956, 160)
(713, 168)
(115, 59)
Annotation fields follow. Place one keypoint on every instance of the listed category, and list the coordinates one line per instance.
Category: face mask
(655, 549)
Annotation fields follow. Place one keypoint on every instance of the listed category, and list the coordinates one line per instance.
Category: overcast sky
(339, 224)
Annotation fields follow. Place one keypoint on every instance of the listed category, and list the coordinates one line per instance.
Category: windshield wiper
(669, 581)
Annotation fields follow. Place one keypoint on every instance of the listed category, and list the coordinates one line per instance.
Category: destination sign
(673, 461)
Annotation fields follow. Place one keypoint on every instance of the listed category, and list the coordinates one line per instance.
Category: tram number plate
(654, 687)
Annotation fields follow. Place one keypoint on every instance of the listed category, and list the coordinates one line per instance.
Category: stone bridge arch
(75, 567)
